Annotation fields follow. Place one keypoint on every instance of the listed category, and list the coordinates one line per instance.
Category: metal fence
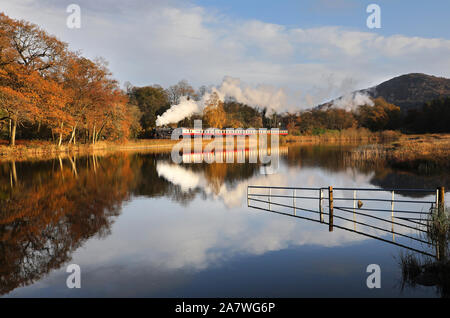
(372, 212)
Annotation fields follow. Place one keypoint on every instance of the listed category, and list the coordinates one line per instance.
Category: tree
(242, 115)
(109, 115)
(86, 83)
(28, 56)
(433, 117)
(214, 114)
(151, 101)
(95, 101)
(43, 83)
(17, 96)
(382, 115)
(183, 88)
(51, 107)
(339, 119)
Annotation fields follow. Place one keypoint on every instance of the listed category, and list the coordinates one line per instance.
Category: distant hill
(407, 91)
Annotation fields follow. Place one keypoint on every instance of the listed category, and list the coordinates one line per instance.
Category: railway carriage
(166, 132)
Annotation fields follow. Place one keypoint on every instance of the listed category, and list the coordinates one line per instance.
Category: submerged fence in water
(372, 212)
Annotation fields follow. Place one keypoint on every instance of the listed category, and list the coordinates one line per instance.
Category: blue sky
(311, 50)
(413, 18)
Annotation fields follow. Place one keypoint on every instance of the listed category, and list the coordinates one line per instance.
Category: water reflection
(140, 215)
(48, 213)
(419, 270)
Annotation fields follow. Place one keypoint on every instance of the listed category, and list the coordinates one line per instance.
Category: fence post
(440, 247)
(392, 215)
(354, 209)
(320, 205)
(441, 200)
(392, 204)
(293, 199)
(247, 198)
(436, 204)
(330, 205)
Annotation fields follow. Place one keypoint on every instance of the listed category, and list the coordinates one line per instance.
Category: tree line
(432, 117)
(48, 91)
(152, 101)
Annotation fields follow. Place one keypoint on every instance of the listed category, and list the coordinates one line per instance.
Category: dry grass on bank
(25, 150)
(36, 149)
(424, 153)
(343, 136)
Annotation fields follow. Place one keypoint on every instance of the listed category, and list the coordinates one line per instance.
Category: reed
(423, 153)
(45, 150)
(349, 135)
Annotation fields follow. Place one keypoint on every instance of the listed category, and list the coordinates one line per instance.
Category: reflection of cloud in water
(157, 243)
(200, 238)
(169, 235)
(234, 196)
(231, 196)
(186, 179)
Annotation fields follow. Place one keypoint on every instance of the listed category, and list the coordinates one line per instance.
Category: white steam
(260, 96)
(351, 101)
(174, 114)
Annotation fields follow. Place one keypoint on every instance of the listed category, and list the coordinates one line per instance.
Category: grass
(423, 153)
(342, 136)
(427, 271)
(439, 225)
(37, 149)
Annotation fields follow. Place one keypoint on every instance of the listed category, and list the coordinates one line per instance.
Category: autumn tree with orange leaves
(214, 114)
(42, 83)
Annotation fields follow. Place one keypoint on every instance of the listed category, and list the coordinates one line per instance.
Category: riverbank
(351, 135)
(29, 150)
(42, 150)
(422, 153)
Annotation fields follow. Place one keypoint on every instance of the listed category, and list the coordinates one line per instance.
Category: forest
(50, 93)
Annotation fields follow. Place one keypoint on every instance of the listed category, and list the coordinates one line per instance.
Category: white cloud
(163, 42)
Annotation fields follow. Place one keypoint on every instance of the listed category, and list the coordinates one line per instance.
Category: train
(166, 132)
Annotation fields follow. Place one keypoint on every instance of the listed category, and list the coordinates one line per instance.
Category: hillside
(408, 91)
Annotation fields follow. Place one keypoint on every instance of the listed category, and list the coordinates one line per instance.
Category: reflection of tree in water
(387, 178)
(416, 270)
(428, 271)
(48, 212)
(330, 158)
(333, 158)
(217, 174)
(149, 184)
(48, 209)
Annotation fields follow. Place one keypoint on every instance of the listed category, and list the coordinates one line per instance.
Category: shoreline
(422, 153)
(44, 150)
(428, 153)
(38, 150)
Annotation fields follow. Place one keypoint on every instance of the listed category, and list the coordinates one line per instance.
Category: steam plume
(260, 96)
(351, 101)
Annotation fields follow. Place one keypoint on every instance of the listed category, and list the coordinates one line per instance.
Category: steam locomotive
(166, 132)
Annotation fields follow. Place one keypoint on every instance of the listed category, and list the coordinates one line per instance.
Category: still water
(139, 225)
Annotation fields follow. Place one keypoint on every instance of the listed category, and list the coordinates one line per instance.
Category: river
(139, 225)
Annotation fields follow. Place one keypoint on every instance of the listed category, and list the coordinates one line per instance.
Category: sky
(314, 50)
